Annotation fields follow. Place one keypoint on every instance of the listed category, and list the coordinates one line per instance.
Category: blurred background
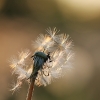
(20, 23)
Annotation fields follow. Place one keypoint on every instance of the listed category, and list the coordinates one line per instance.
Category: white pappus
(58, 50)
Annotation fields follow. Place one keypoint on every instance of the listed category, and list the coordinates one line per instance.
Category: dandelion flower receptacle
(50, 60)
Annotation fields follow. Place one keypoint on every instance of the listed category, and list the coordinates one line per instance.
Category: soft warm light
(85, 9)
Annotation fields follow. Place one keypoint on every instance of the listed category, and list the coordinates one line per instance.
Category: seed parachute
(50, 61)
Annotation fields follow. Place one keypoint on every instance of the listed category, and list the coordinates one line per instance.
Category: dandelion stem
(30, 90)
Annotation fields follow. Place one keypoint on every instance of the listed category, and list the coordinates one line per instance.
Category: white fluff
(60, 48)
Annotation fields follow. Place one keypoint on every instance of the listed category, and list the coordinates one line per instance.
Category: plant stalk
(30, 90)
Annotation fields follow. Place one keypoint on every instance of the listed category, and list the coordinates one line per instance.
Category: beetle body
(41, 54)
(39, 59)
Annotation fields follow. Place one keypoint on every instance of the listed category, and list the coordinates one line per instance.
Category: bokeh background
(20, 23)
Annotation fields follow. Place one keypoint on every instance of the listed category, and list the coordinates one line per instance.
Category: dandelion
(51, 59)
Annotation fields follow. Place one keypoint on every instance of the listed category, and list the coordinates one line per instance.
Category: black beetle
(39, 59)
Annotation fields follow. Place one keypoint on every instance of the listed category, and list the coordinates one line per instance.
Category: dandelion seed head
(58, 45)
(61, 55)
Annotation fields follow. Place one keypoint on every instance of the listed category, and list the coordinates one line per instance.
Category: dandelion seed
(16, 86)
(52, 57)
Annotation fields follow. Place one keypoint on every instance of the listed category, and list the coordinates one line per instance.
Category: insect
(39, 59)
